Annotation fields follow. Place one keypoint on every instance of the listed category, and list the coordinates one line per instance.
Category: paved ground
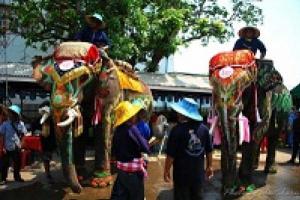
(285, 185)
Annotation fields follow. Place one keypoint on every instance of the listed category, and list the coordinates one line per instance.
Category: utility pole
(5, 53)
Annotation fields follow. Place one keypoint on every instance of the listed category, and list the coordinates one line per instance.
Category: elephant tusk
(44, 118)
(45, 112)
(72, 115)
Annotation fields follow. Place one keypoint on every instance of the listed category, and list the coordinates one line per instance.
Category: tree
(140, 30)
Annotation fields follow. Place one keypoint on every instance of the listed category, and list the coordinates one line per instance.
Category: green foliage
(140, 30)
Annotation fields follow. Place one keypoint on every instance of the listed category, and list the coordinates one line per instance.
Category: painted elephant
(252, 88)
(82, 86)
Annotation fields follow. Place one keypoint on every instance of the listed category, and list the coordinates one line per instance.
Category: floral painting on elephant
(80, 84)
(243, 87)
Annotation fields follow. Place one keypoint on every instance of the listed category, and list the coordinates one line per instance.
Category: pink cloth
(245, 130)
(217, 136)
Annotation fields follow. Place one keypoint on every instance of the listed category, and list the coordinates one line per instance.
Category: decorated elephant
(81, 86)
(245, 88)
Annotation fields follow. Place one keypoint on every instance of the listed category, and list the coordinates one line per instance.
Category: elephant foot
(270, 170)
(231, 193)
(102, 182)
(250, 188)
(76, 188)
(102, 179)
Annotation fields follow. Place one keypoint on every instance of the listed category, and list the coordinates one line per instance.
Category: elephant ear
(281, 99)
(268, 77)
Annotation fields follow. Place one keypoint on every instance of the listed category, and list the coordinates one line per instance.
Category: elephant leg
(250, 159)
(102, 171)
(246, 166)
(107, 136)
(271, 152)
(228, 165)
(65, 144)
(80, 150)
(256, 155)
(99, 148)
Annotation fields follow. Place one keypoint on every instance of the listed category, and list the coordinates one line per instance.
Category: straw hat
(242, 31)
(124, 111)
(188, 107)
(16, 109)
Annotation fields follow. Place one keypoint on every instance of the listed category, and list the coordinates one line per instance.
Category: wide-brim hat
(124, 111)
(242, 31)
(16, 109)
(188, 107)
(95, 17)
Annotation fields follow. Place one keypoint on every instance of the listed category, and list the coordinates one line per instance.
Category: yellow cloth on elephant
(129, 83)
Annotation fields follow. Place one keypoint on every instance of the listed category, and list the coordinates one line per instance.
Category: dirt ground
(285, 185)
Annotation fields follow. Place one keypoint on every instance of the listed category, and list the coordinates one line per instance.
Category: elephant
(84, 92)
(253, 88)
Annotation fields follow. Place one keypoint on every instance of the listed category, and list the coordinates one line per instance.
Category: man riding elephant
(249, 40)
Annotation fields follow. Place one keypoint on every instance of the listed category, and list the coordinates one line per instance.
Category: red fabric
(98, 109)
(32, 143)
(227, 67)
(25, 154)
(231, 58)
(264, 144)
(137, 165)
(92, 55)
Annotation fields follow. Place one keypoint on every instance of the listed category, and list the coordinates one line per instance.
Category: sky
(280, 32)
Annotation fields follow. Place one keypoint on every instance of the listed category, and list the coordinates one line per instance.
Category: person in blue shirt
(249, 40)
(12, 130)
(292, 116)
(142, 123)
(94, 33)
(189, 141)
(296, 138)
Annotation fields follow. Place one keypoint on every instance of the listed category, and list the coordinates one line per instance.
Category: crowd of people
(13, 133)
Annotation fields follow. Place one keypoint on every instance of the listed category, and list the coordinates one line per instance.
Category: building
(166, 88)
(170, 87)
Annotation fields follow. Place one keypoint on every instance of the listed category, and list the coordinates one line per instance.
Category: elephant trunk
(228, 150)
(66, 149)
(223, 112)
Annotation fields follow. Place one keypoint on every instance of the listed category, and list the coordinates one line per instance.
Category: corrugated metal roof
(15, 70)
(177, 82)
(170, 81)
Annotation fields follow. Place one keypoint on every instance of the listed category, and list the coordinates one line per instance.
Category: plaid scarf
(136, 165)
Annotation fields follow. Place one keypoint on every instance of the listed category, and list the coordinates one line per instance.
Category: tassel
(241, 128)
(258, 119)
(97, 111)
(213, 125)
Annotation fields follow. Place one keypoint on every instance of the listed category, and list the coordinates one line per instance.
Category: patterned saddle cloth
(78, 52)
(227, 66)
